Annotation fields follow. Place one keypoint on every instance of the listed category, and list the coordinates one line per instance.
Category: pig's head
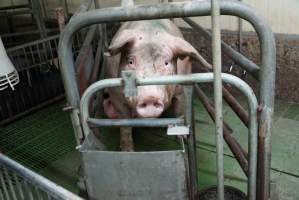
(151, 55)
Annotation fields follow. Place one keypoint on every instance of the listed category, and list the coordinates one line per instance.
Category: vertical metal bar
(1, 195)
(188, 92)
(32, 56)
(19, 187)
(10, 185)
(240, 27)
(51, 52)
(28, 189)
(60, 18)
(38, 194)
(39, 55)
(4, 188)
(216, 51)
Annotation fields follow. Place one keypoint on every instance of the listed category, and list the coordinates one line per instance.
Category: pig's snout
(150, 107)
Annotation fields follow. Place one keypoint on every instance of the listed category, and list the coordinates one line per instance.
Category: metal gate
(259, 139)
(20, 183)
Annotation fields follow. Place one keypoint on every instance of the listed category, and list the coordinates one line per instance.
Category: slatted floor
(44, 142)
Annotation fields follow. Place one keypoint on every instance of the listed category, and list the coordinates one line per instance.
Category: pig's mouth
(150, 108)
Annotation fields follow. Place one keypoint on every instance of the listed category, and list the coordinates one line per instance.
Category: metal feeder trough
(159, 175)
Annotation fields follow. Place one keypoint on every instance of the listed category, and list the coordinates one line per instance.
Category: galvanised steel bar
(191, 141)
(237, 57)
(217, 66)
(42, 183)
(239, 153)
(235, 105)
(161, 122)
(188, 79)
(184, 9)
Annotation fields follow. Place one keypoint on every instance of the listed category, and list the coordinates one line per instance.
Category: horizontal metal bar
(13, 13)
(5, 35)
(15, 7)
(237, 57)
(161, 122)
(53, 189)
(33, 43)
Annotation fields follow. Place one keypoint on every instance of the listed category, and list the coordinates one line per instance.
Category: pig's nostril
(143, 105)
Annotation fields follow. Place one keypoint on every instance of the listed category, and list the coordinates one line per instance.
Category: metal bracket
(129, 78)
(178, 130)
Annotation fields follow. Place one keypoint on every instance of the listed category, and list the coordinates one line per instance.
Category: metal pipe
(237, 57)
(183, 9)
(60, 15)
(191, 141)
(15, 7)
(216, 54)
(53, 189)
(188, 79)
(161, 122)
(237, 108)
(13, 13)
(50, 30)
(239, 153)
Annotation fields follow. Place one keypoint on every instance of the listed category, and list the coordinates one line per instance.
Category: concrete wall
(282, 15)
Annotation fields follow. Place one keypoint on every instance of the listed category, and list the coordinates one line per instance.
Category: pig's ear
(182, 49)
(121, 40)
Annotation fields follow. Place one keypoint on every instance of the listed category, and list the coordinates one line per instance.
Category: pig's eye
(131, 61)
(166, 63)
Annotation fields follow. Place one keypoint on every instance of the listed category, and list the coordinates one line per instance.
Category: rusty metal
(239, 153)
(237, 57)
(60, 15)
(235, 105)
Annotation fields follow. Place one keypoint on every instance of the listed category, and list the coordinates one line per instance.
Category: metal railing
(19, 183)
(266, 73)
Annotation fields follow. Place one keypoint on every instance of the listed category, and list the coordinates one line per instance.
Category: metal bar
(85, 6)
(19, 187)
(28, 190)
(32, 43)
(191, 139)
(4, 188)
(15, 7)
(13, 13)
(237, 108)
(60, 18)
(161, 122)
(36, 10)
(239, 153)
(216, 54)
(10, 185)
(37, 180)
(237, 57)
(187, 79)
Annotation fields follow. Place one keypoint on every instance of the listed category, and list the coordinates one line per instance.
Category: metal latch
(129, 78)
(178, 130)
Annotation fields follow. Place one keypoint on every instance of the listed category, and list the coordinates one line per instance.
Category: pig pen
(284, 179)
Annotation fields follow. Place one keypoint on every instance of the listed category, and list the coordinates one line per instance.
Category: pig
(150, 48)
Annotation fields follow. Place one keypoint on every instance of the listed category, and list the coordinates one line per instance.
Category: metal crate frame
(186, 9)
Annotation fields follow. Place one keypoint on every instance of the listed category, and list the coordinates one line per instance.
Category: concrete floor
(44, 142)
